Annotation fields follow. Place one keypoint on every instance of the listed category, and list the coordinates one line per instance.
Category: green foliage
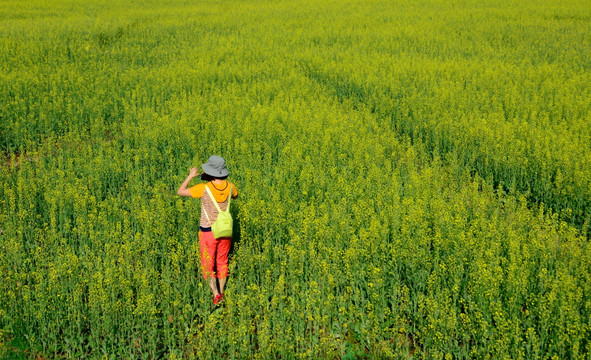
(388, 155)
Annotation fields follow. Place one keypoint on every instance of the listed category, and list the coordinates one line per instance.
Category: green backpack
(222, 226)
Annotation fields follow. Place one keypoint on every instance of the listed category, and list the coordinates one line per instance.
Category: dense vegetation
(415, 178)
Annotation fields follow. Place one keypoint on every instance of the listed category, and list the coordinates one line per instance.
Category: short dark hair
(207, 177)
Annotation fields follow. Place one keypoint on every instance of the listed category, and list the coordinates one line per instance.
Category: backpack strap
(214, 202)
(205, 211)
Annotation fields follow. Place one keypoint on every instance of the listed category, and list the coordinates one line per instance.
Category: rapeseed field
(415, 178)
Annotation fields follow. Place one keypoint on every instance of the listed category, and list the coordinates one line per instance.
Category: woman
(214, 252)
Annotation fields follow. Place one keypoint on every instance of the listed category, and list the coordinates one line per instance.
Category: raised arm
(184, 189)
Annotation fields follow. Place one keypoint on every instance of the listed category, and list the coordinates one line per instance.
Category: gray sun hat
(215, 166)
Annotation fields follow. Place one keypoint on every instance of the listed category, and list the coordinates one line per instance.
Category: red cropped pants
(214, 255)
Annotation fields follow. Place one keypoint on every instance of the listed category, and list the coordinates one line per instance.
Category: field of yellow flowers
(415, 178)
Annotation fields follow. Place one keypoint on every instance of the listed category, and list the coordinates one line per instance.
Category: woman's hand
(193, 172)
(184, 189)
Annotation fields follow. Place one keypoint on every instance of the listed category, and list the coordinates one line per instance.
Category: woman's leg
(207, 244)
(223, 249)
(213, 285)
(222, 282)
